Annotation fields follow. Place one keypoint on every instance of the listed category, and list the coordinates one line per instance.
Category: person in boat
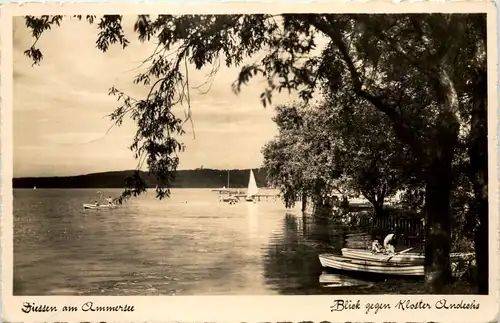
(96, 203)
(376, 247)
(109, 200)
(389, 242)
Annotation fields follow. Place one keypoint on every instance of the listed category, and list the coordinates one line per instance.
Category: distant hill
(198, 178)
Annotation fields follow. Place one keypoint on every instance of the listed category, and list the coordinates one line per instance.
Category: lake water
(189, 244)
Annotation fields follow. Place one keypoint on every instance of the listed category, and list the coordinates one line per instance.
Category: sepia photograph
(258, 154)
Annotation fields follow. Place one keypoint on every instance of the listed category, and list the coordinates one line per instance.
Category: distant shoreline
(197, 178)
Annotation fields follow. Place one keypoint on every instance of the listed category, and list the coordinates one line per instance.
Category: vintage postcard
(249, 162)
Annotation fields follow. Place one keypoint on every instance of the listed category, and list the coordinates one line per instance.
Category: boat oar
(398, 253)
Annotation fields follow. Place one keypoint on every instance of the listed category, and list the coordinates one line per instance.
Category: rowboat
(93, 206)
(362, 254)
(100, 205)
(404, 258)
(370, 266)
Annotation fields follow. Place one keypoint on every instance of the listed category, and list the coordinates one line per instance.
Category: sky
(60, 107)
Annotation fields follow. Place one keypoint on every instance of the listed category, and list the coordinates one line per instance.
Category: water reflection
(338, 280)
(291, 262)
(253, 220)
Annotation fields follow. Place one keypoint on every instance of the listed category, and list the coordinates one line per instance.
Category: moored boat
(405, 258)
(230, 199)
(362, 254)
(369, 266)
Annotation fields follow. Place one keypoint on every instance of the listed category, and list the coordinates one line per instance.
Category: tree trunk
(379, 209)
(438, 224)
(439, 178)
(304, 202)
(322, 206)
(478, 152)
(344, 203)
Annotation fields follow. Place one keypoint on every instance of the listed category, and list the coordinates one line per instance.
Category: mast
(228, 179)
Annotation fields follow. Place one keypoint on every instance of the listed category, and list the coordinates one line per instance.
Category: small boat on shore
(362, 254)
(370, 266)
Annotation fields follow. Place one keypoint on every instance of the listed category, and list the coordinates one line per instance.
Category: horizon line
(132, 170)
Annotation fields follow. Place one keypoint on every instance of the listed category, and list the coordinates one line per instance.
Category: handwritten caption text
(403, 305)
(85, 307)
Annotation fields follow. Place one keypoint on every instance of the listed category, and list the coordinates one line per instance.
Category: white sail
(252, 186)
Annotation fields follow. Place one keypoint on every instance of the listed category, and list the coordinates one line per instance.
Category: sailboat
(229, 199)
(252, 188)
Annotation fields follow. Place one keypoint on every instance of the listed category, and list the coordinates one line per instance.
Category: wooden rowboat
(403, 258)
(406, 258)
(368, 266)
(100, 206)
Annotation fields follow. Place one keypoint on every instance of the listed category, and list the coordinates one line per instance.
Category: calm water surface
(189, 244)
